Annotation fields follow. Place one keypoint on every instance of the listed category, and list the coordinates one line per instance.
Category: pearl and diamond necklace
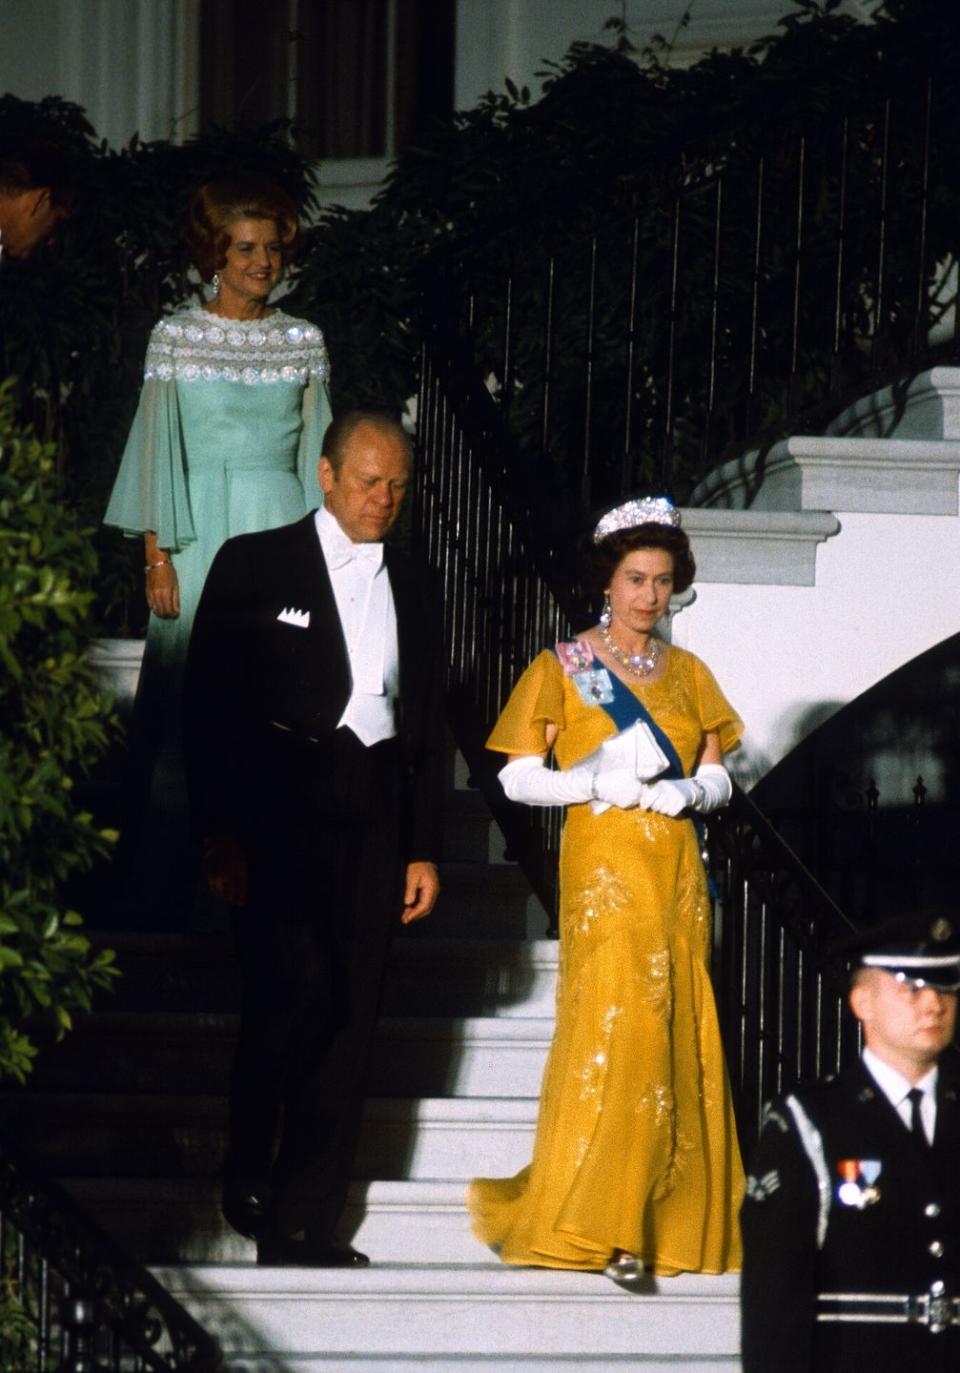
(638, 664)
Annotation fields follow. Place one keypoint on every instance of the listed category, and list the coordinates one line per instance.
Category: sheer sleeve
(150, 492)
(717, 715)
(535, 702)
(316, 415)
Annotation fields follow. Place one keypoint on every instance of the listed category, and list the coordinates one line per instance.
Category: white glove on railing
(529, 780)
(707, 790)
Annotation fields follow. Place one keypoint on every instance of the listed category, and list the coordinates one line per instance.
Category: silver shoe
(626, 1270)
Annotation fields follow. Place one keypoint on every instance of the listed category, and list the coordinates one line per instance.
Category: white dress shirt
(364, 600)
(895, 1087)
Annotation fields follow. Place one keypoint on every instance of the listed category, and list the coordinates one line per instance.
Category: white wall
(132, 64)
(788, 657)
(884, 585)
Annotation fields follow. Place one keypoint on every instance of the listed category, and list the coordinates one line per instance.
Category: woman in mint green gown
(226, 440)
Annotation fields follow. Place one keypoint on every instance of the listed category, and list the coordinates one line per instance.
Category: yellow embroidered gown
(636, 1146)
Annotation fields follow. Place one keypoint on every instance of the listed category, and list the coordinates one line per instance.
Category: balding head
(364, 473)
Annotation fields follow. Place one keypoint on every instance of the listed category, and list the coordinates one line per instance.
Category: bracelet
(151, 567)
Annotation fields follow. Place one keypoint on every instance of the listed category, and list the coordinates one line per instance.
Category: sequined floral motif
(594, 1071)
(682, 1148)
(197, 346)
(655, 1103)
(693, 904)
(654, 827)
(655, 982)
(605, 895)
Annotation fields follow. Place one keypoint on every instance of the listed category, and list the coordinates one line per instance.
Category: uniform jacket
(801, 1239)
(257, 683)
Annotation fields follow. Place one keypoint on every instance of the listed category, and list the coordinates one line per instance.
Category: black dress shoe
(246, 1206)
(284, 1251)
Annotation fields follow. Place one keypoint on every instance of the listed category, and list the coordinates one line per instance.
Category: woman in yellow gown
(635, 1163)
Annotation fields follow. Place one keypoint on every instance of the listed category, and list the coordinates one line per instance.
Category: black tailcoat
(252, 678)
(901, 1242)
(326, 826)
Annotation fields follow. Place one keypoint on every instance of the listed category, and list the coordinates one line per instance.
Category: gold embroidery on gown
(636, 1145)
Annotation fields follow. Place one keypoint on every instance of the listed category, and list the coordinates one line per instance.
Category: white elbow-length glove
(707, 790)
(529, 780)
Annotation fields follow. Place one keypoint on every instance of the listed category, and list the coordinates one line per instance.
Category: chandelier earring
(606, 614)
(215, 283)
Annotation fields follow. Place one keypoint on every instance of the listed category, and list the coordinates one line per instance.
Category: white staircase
(434, 1298)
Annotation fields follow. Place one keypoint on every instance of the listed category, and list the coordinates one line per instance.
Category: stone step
(175, 1220)
(430, 1316)
(455, 976)
(435, 1137)
(182, 1053)
(98, 1135)
(471, 977)
(482, 1363)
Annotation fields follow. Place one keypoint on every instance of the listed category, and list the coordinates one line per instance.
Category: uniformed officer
(851, 1219)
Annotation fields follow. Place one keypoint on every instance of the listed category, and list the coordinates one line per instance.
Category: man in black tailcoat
(851, 1220)
(313, 716)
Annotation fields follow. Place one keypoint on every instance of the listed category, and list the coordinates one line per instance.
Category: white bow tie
(366, 555)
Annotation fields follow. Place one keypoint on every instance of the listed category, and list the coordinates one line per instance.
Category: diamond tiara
(646, 510)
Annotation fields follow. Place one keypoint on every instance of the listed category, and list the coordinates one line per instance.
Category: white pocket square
(300, 618)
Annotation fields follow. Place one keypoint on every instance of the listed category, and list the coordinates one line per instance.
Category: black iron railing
(499, 609)
(71, 1301)
(780, 989)
(730, 301)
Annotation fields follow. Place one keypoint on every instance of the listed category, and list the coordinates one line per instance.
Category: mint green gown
(226, 440)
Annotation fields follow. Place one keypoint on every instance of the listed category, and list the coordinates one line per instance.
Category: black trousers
(325, 897)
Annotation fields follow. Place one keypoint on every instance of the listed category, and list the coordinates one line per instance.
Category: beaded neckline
(194, 345)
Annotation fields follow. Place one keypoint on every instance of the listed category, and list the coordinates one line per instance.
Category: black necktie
(915, 1096)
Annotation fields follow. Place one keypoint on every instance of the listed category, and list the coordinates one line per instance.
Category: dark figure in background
(36, 191)
(851, 1221)
(313, 715)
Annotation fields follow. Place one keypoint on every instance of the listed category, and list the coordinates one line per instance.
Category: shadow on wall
(870, 799)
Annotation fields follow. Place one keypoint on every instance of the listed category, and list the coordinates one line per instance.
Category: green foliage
(18, 1352)
(53, 725)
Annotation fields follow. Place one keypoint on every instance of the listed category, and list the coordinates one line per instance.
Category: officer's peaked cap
(922, 947)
